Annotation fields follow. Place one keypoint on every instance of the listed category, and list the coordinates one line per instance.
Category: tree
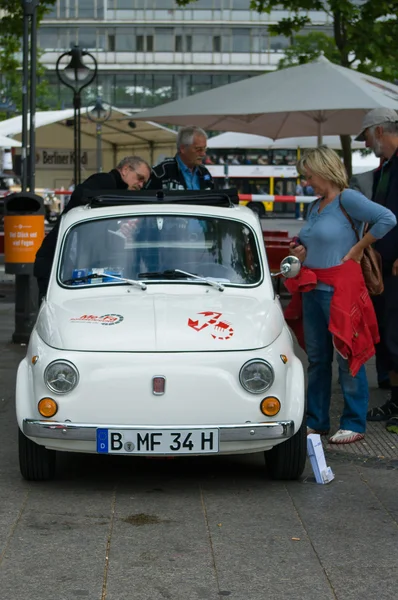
(365, 34)
(11, 29)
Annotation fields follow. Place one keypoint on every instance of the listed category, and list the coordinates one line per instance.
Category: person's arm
(361, 209)
(153, 183)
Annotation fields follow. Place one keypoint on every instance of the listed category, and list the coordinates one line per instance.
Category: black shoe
(392, 424)
(385, 384)
(382, 413)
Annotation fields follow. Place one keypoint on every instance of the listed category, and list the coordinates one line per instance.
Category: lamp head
(76, 71)
(100, 112)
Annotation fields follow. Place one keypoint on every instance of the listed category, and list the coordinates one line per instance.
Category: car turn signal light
(270, 406)
(47, 407)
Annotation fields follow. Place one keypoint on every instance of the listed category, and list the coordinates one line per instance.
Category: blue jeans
(319, 346)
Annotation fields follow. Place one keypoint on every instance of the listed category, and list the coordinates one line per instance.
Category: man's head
(380, 131)
(191, 146)
(134, 171)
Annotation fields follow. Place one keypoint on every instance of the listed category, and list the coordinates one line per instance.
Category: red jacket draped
(352, 323)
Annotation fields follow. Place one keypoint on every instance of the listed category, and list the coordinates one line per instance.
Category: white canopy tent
(361, 163)
(120, 129)
(250, 141)
(231, 139)
(6, 142)
(121, 136)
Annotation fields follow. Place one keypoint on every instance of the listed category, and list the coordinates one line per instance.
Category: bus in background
(256, 172)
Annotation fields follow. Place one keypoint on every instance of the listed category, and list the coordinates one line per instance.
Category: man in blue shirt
(185, 171)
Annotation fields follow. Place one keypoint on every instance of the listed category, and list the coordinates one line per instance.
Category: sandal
(382, 413)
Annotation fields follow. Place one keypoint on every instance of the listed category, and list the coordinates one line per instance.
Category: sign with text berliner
(47, 158)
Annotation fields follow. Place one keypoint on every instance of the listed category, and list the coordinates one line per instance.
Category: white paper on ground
(323, 473)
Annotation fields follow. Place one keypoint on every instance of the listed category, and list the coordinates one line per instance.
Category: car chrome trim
(228, 433)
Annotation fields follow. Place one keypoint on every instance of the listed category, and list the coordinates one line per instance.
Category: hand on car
(128, 228)
(395, 268)
(299, 251)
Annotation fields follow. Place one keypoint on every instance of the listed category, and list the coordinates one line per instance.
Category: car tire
(287, 460)
(258, 208)
(36, 463)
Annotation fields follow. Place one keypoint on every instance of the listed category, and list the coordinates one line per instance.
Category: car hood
(161, 323)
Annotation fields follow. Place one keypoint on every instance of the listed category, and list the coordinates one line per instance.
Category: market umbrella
(231, 139)
(243, 141)
(318, 98)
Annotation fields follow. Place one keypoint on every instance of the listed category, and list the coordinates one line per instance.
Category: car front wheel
(287, 460)
(36, 463)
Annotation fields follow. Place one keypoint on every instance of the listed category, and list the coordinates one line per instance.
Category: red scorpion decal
(218, 325)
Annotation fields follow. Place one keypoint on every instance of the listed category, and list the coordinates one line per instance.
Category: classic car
(161, 335)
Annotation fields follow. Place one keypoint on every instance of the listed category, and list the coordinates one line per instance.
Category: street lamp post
(29, 22)
(76, 75)
(99, 114)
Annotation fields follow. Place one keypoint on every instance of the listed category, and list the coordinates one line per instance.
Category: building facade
(151, 51)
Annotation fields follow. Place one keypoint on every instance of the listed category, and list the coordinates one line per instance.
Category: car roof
(85, 213)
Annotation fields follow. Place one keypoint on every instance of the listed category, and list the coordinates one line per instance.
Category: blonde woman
(327, 240)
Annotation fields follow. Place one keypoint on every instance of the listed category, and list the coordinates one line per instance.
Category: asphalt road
(190, 529)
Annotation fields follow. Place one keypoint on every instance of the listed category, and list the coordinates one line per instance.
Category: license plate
(147, 441)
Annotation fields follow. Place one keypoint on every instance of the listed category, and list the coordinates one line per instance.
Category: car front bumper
(234, 438)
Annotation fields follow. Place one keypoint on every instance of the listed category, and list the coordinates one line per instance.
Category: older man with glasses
(132, 173)
(380, 132)
(185, 171)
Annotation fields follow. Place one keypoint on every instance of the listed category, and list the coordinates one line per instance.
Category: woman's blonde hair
(325, 163)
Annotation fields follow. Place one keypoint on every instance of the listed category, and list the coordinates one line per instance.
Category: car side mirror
(289, 267)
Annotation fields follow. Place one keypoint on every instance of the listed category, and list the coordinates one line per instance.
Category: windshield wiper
(139, 284)
(178, 274)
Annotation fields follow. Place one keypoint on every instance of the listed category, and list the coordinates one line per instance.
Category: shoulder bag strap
(345, 213)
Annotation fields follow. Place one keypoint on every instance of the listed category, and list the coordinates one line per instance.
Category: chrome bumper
(228, 433)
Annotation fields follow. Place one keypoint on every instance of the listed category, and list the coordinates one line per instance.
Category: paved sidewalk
(191, 529)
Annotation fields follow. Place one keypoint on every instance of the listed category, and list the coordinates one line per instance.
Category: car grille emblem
(158, 385)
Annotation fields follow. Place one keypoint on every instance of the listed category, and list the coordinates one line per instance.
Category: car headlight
(256, 376)
(61, 376)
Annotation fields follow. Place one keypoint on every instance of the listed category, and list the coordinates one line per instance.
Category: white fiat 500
(161, 335)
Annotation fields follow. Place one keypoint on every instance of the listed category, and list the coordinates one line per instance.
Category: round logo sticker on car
(111, 319)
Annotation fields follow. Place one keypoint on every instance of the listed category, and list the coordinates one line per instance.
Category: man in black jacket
(365, 183)
(185, 171)
(380, 131)
(131, 173)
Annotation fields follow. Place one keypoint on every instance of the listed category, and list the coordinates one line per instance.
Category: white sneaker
(345, 436)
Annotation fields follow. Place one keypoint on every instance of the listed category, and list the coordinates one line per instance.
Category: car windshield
(150, 248)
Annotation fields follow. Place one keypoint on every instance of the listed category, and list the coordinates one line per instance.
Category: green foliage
(12, 21)
(365, 33)
(11, 29)
(307, 48)
(364, 37)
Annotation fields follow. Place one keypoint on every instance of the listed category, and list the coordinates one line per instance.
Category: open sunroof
(100, 198)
